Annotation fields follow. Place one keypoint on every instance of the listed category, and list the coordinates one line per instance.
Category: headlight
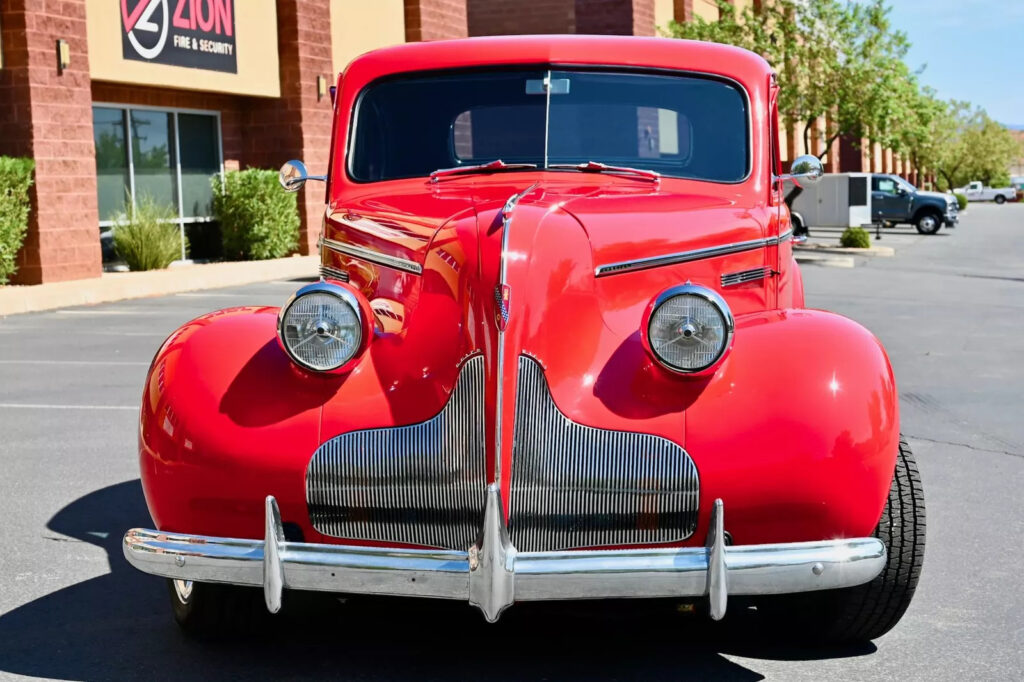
(321, 327)
(689, 328)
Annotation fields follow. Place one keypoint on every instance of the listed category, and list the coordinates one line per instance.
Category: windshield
(679, 126)
(904, 184)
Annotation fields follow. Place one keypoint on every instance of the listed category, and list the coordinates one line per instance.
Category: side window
(886, 185)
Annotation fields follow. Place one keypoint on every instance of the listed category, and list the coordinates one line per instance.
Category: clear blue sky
(973, 49)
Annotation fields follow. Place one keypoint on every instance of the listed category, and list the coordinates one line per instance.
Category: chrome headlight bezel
(345, 297)
(708, 295)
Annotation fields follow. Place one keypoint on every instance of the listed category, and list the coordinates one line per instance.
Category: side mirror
(807, 168)
(293, 176)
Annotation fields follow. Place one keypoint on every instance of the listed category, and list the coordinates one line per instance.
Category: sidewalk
(117, 286)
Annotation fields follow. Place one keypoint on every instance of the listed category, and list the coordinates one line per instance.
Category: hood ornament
(502, 298)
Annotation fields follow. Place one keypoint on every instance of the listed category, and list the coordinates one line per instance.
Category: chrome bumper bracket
(718, 576)
(493, 574)
(273, 568)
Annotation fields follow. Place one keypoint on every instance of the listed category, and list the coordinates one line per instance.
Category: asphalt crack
(967, 446)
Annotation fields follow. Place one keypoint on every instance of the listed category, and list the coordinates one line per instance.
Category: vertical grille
(576, 486)
(420, 484)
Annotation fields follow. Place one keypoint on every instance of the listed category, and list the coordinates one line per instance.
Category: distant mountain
(1014, 126)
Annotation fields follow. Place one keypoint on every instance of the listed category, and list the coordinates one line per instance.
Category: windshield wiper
(489, 167)
(597, 167)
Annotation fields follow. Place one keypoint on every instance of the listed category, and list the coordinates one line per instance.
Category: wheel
(928, 223)
(799, 229)
(1000, 199)
(870, 610)
(207, 610)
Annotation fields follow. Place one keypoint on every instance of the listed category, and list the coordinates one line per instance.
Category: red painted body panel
(797, 430)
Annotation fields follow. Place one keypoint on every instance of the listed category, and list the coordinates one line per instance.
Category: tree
(991, 150)
(836, 61)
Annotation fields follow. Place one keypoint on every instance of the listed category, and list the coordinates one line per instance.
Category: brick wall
(438, 19)
(500, 17)
(298, 125)
(48, 115)
(643, 18)
(596, 17)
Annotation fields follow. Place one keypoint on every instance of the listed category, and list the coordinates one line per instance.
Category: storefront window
(172, 157)
(112, 184)
(200, 159)
(153, 156)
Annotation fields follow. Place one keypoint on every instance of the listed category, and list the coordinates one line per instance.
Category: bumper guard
(492, 574)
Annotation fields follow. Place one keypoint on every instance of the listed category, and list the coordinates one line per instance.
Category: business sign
(198, 34)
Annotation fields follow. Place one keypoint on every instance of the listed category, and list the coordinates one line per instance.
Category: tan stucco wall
(705, 9)
(358, 26)
(255, 47)
(664, 12)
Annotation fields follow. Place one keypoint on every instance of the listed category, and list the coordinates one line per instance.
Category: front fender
(798, 432)
(226, 420)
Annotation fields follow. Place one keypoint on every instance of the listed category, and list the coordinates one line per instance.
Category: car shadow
(119, 625)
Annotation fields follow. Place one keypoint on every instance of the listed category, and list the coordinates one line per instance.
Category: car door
(974, 192)
(888, 202)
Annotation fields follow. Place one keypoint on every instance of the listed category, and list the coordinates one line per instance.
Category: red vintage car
(559, 350)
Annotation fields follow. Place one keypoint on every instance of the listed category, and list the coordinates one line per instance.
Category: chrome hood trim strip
(688, 256)
(371, 256)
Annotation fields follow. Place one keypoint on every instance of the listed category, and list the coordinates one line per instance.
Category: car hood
(936, 195)
(507, 270)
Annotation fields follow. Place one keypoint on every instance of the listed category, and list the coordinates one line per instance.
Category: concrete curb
(829, 260)
(117, 286)
(881, 251)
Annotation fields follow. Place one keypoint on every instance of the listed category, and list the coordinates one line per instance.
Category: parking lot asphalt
(948, 308)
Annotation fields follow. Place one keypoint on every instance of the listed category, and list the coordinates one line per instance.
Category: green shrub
(855, 238)
(148, 238)
(961, 200)
(15, 179)
(258, 219)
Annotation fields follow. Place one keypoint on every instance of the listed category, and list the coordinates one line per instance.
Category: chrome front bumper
(492, 574)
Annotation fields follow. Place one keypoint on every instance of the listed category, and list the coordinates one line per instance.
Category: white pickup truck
(976, 191)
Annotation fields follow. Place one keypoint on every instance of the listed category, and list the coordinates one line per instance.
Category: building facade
(117, 100)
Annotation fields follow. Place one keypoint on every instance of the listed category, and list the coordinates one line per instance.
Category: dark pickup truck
(895, 201)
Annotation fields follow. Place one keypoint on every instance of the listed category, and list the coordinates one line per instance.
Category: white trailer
(836, 200)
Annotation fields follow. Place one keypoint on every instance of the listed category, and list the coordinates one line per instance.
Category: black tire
(207, 610)
(928, 223)
(868, 611)
(1000, 199)
(799, 229)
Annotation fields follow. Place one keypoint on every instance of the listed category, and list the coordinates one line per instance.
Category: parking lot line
(40, 406)
(74, 362)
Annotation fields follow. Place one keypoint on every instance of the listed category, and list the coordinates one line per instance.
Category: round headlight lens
(321, 328)
(689, 329)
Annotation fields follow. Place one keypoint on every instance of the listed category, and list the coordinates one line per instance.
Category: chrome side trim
(421, 484)
(492, 574)
(371, 256)
(688, 256)
(744, 276)
(329, 272)
(580, 486)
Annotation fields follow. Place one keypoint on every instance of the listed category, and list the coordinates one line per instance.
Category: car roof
(727, 61)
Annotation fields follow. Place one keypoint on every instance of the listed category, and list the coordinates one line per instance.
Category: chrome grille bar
(577, 486)
(422, 484)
